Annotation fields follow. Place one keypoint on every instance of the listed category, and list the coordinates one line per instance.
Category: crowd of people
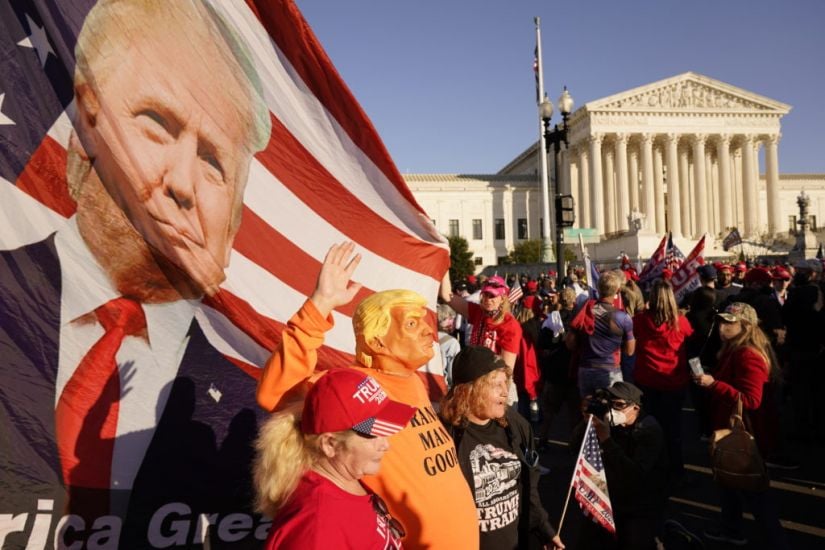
(463, 473)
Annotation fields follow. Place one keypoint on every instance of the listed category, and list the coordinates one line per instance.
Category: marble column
(647, 182)
(772, 183)
(713, 183)
(623, 202)
(584, 187)
(738, 193)
(684, 192)
(633, 181)
(674, 208)
(573, 183)
(596, 188)
(749, 190)
(701, 185)
(761, 215)
(725, 184)
(609, 193)
(709, 187)
(659, 186)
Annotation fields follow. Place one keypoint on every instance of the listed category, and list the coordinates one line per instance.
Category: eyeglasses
(380, 508)
(620, 405)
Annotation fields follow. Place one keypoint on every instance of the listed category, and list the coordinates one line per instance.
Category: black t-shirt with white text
(494, 473)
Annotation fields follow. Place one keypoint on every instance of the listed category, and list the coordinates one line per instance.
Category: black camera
(598, 404)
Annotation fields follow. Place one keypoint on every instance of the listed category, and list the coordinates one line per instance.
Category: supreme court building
(679, 155)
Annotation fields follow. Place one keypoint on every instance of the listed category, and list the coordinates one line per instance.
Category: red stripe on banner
(265, 331)
(289, 161)
(294, 37)
(257, 240)
(44, 178)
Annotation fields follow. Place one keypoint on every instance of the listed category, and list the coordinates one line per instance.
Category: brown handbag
(735, 458)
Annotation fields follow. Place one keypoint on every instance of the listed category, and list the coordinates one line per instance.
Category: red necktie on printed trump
(86, 414)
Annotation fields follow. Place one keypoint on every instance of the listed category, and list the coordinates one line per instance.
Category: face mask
(617, 418)
(493, 314)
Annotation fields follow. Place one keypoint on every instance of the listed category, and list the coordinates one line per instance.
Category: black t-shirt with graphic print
(493, 472)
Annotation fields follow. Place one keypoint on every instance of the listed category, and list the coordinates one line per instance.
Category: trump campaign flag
(686, 277)
(656, 264)
(171, 176)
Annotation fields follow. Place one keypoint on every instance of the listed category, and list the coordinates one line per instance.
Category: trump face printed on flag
(128, 412)
(166, 129)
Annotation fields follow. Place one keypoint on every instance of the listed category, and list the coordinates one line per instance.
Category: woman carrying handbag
(744, 367)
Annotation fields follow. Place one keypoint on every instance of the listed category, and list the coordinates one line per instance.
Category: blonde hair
(283, 455)
(609, 283)
(525, 314)
(463, 399)
(373, 317)
(567, 296)
(751, 337)
(663, 304)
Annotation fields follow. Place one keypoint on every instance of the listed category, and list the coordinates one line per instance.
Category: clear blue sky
(450, 87)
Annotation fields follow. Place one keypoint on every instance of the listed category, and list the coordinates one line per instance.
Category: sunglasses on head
(380, 508)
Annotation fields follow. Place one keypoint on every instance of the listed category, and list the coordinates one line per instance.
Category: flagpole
(547, 240)
(570, 489)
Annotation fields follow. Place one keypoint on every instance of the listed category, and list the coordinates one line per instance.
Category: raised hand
(334, 287)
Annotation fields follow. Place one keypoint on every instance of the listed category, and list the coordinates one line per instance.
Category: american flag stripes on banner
(590, 482)
(279, 162)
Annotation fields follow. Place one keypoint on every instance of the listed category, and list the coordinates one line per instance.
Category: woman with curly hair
(744, 368)
(308, 468)
(496, 453)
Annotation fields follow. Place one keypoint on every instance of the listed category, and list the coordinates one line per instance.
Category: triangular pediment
(688, 92)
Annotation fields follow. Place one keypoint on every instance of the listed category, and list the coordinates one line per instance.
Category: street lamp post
(555, 137)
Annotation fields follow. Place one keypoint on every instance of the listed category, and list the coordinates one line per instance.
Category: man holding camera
(635, 463)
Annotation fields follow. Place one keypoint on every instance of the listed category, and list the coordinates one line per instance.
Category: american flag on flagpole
(590, 483)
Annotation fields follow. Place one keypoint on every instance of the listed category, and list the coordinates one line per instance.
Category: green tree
(527, 252)
(461, 259)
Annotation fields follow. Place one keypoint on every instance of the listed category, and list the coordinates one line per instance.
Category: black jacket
(533, 519)
(635, 463)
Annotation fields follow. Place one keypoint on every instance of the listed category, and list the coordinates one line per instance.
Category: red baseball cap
(758, 275)
(780, 273)
(347, 399)
(741, 267)
(532, 286)
(726, 267)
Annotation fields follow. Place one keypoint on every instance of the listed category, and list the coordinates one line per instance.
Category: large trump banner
(171, 175)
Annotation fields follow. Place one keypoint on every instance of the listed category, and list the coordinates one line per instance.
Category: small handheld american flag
(590, 482)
